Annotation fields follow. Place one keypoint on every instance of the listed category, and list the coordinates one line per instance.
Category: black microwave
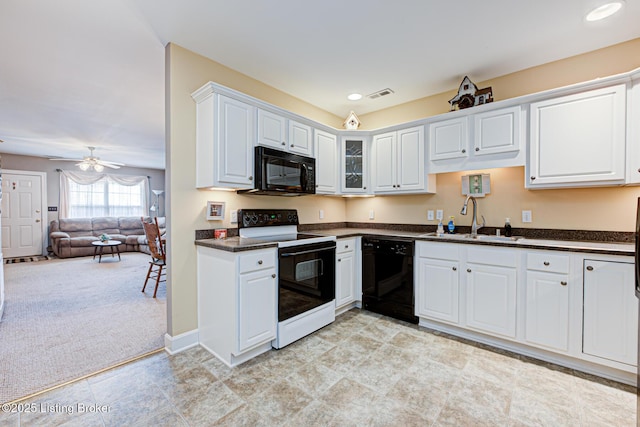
(278, 173)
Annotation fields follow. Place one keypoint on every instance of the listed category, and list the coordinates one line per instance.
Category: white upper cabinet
(496, 132)
(283, 134)
(354, 153)
(399, 162)
(483, 140)
(326, 162)
(633, 135)
(448, 139)
(578, 140)
(225, 132)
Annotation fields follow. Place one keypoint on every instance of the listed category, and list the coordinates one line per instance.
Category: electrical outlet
(234, 216)
(526, 216)
(430, 215)
(372, 214)
(321, 213)
(439, 214)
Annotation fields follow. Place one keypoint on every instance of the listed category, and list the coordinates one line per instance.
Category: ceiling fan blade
(65, 160)
(109, 165)
(106, 163)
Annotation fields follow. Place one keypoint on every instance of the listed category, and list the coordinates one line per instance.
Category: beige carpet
(66, 318)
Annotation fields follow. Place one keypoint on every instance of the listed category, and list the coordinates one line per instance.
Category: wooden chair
(158, 257)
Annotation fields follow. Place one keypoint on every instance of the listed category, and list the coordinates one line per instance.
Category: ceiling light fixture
(604, 10)
(354, 97)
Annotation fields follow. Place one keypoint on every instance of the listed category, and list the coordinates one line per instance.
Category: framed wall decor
(215, 211)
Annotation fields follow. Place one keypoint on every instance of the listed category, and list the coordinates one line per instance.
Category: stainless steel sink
(479, 237)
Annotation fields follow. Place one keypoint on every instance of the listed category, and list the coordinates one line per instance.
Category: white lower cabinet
(610, 317)
(237, 302)
(437, 295)
(346, 272)
(547, 300)
(570, 308)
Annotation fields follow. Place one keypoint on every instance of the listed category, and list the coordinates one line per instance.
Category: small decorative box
(220, 233)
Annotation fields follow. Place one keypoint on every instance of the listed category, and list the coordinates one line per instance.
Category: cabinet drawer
(345, 245)
(446, 251)
(542, 261)
(505, 257)
(255, 261)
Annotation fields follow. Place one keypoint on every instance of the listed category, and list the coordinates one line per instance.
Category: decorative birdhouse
(469, 95)
(351, 122)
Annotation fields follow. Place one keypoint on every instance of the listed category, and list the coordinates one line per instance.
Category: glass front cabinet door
(354, 165)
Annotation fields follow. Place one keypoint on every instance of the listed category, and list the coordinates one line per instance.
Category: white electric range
(306, 271)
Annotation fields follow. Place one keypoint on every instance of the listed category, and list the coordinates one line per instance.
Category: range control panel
(266, 217)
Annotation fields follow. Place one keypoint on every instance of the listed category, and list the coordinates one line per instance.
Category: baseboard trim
(182, 342)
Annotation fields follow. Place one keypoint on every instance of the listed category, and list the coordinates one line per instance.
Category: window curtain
(90, 178)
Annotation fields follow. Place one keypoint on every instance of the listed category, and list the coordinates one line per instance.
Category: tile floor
(362, 370)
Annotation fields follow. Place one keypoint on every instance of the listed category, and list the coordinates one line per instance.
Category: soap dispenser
(440, 230)
(452, 225)
(507, 227)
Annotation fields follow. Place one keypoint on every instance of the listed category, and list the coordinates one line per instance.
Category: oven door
(306, 278)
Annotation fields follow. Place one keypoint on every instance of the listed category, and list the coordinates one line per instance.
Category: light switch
(430, 215)
(234, 216)
(526, 216)
(371, 214)
(321, 214)
(439, 214)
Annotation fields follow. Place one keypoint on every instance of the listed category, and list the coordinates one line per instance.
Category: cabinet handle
(339, 260)
(464, 151)
(638, 170)
(273, 276)
(533, 178)
(454, 268)
(259, 262)
(37, 220)
(468, 270)
(563, 283)
(477, 149)
(250, 178)
(346, 246)
(284, 143)
(546, 263)
(292, 145)
(364, 188)
(589, 268)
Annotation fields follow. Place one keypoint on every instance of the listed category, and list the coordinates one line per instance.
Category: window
(90, 195)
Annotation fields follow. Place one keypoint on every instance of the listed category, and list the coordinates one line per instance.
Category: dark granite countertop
(238, 244)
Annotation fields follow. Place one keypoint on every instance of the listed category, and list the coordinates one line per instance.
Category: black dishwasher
(387, 277)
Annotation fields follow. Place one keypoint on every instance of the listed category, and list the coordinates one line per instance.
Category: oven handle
(311, 251)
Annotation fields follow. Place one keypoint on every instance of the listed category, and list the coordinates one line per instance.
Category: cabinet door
(410, 168)
(326, 162)
(497, 131)
(300, 139)
(354, 166)
(437, 290)
(384, 162)
(234, 143)
(257, 308)
(491, 299)
(448, 139)
(547, 310)
(610, 323)
(633, 145)
(578, 139)
(271, 130)
(345, 278)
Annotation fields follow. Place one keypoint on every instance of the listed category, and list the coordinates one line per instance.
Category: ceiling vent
(378, 94)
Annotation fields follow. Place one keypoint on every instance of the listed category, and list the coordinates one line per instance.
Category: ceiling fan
(92, 162)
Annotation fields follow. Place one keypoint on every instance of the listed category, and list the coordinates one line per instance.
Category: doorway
(24, 202)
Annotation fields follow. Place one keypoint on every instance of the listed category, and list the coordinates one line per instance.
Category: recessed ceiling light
(354, 97)
(604, 11)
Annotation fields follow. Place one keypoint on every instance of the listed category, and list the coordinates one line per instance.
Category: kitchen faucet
(474, 226)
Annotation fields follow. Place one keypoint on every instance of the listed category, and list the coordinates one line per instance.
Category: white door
(610, 328)
(326, 163)
(448, 139)
(345, 278)
(437, 290)
(22, 214)
(384, 162)
(271, 130)
(257, 309)
(300, 139)
(547, 310)
(235, 142)
(497, 131)
(411, 159)
(491, 299)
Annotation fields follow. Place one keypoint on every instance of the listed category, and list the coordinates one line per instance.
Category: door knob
(273, 276)
(464, 151)
(563, 283)
(259, 262)
(468, 270)
(589, 268)
(546, 263)
(37, 220)
(455, 268)
(533, 178)
(477, 149)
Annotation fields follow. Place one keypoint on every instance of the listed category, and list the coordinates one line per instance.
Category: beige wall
(602, 209)
(187, 72)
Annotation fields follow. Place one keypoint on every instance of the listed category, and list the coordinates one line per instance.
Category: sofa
(72, 237)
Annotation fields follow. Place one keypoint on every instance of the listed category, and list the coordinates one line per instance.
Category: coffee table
(100, 245)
